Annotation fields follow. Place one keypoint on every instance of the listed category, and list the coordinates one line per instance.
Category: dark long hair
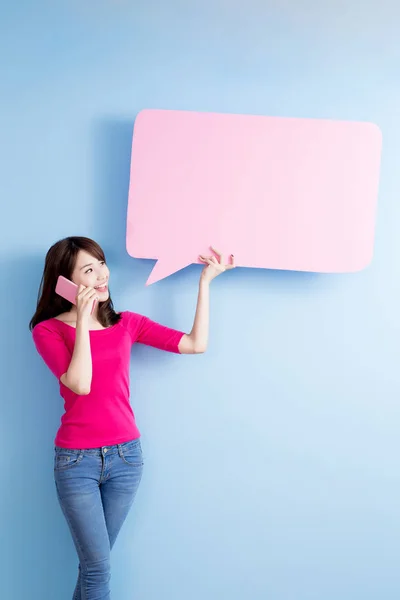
(60, 260)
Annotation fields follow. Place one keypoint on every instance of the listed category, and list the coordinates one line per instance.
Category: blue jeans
(96, 489)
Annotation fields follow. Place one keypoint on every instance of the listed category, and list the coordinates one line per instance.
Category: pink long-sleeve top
(103, 417)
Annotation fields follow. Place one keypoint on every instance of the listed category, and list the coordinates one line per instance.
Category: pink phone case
(68, 290)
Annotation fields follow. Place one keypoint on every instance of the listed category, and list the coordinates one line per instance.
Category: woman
(98, 458)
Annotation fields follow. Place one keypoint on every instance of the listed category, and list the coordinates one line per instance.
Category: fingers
(208, 261)
(213, 258)
(79, 293)
(91, 296)
(221, 262)
(86, 294)
(205, 259)
(85, 290)
(219, 254)
(232, 264)
(213, 261)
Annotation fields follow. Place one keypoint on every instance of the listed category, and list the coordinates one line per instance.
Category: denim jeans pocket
(132, 454)
(66, 459)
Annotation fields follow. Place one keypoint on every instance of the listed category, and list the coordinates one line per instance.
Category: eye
(102, 262)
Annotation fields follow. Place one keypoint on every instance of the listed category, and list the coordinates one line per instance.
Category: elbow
(199, 349)
(77, 387)
(82, 390)
(190, 345)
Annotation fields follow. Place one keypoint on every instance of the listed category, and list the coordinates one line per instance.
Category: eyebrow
(89, 265)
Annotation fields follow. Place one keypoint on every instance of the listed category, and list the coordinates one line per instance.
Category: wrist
(82, 323)
(204, 281)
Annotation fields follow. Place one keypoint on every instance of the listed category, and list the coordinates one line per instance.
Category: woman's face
(91, 272)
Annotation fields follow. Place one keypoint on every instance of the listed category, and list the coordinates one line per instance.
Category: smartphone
(68, 289)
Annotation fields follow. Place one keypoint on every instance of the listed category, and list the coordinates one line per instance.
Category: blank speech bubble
(278, 193)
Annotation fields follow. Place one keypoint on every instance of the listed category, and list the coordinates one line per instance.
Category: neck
(93, 317)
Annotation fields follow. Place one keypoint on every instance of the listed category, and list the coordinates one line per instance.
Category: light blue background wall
(272, 461)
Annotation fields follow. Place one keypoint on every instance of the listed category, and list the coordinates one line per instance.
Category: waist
(102, 450)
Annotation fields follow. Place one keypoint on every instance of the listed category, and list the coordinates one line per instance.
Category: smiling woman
(81, 260)
(98, 460)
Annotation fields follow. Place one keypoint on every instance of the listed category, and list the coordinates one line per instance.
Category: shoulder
(128, 315)
(49, 339)
(48, 327)
(133, 323)
(131, 319)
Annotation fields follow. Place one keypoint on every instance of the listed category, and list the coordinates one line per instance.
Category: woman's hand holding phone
(85, 298)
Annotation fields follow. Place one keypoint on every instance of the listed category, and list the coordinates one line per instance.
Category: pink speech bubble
(279, 193)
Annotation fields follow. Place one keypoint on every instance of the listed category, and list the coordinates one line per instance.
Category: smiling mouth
(102, 288)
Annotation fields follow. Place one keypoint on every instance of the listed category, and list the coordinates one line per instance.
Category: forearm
(79, 374)
(196, 342)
